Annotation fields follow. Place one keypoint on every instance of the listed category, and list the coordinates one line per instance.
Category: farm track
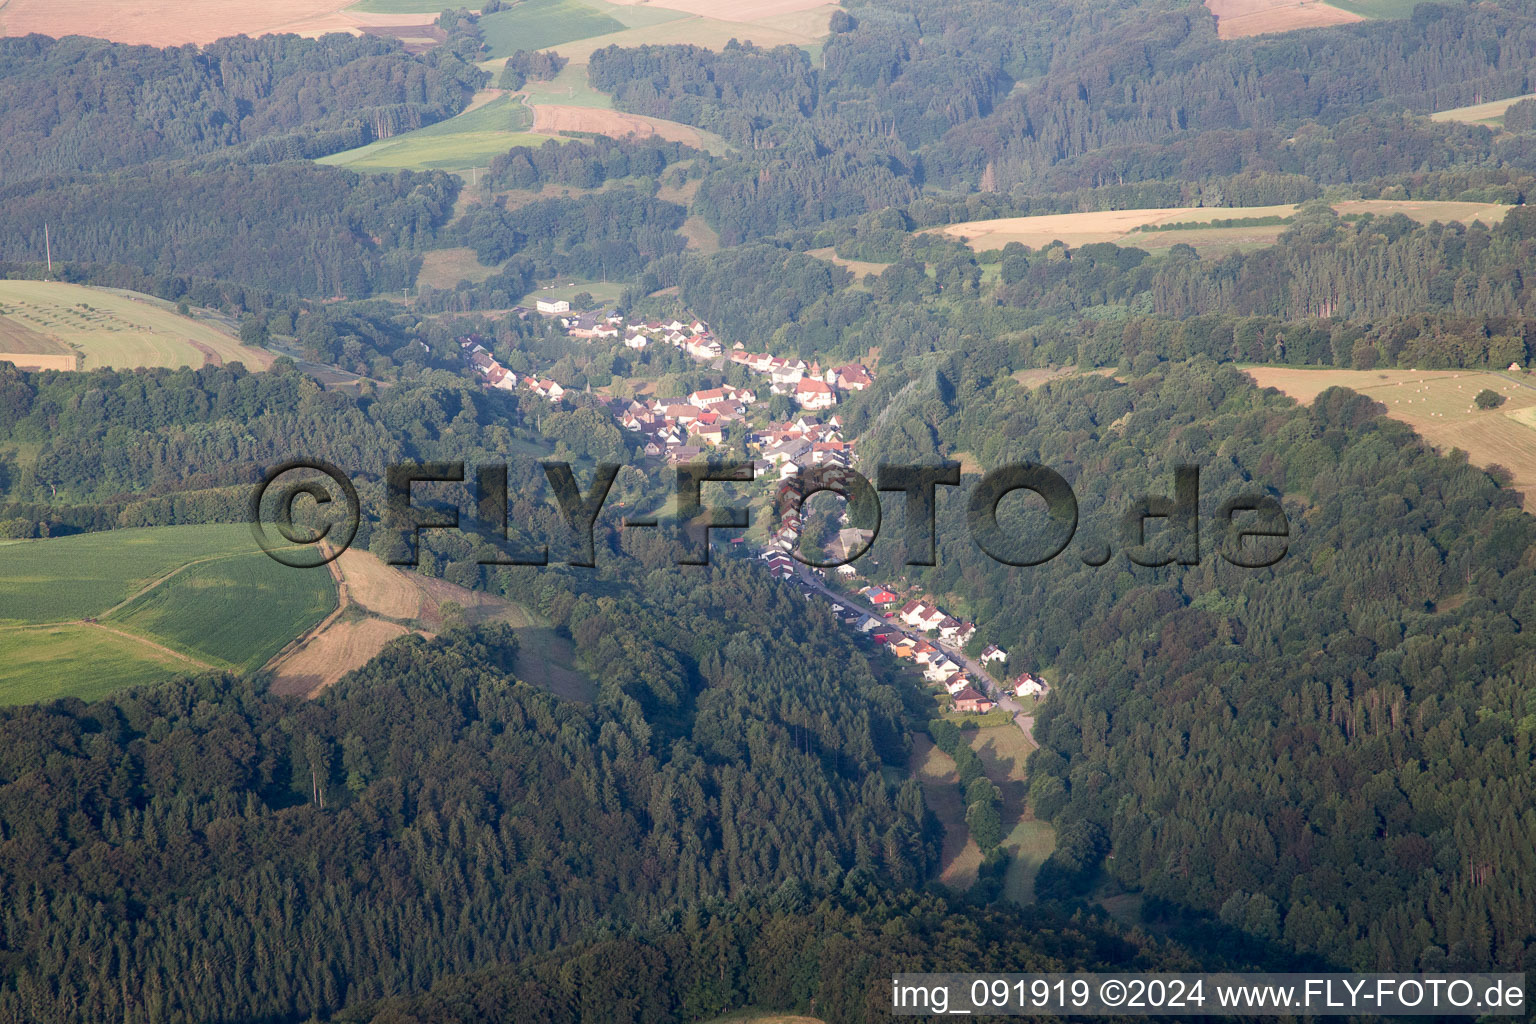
(151, 644)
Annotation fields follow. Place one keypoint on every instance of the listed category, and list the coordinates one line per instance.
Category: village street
(974, 668)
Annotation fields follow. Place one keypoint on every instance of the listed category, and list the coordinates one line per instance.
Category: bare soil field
(551, 119)
(1438, 405)
(1238, 18)
(331, 654)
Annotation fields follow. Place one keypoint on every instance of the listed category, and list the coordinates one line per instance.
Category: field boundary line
(151, 644)
(298, 643)
(163, 579)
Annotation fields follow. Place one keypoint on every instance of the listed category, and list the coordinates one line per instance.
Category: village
(683, 428)
(919, 632)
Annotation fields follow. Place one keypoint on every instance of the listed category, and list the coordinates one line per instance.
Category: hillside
(134, 606)
(54, 326)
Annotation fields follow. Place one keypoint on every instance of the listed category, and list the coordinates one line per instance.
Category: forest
(433, 815)
(1324, 763)
(1258, 743)
(80, 105)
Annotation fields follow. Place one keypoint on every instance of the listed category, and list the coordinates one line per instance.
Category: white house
(992, 652)
(548, 306)
(811, 393)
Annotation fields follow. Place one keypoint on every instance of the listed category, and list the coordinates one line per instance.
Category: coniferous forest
(1327, 763)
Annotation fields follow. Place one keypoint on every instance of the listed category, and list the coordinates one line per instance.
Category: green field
(69, 578)
(235, 612)
(1376, 8)
(113, 328)
(469, 140)
(569, 88)
(160, 600)
(540, 24)
(49, 662)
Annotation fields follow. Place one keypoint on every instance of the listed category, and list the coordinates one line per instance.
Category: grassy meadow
(469, 140)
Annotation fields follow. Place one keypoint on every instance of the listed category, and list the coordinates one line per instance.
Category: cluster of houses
(928, 617)
(812, 388)
(497, 376)
(693, 337)
(802, 443)
(938, 666)
(681, 428)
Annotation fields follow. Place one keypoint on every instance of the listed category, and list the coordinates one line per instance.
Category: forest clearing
(1239, 18)
(1438, 404)
(1130, 227)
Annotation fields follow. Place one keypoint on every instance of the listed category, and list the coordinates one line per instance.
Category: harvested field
(1121, 226)
(379, 588)
(160, 22)
(1096, 226)
(1438, 405)
(1426, 211)
(1238, 18)
(1490, 113)
(331, 654)
(739, 10)
(108, 329)
(379, 603)
(550, 119)
(712, 33)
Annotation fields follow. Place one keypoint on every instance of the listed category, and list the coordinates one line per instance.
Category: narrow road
(977, 671)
